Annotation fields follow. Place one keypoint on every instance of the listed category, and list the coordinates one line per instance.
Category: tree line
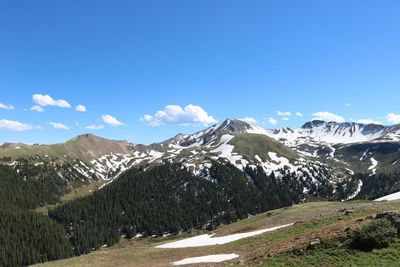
(170, 199)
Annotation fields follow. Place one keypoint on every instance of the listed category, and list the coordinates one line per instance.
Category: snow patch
(390, 197)
(364, 155)
(225, 151)
(207, 259)
(209, 240)
(360, 184)
(374, 164)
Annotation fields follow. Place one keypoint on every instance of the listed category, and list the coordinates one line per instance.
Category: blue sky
(223, 59)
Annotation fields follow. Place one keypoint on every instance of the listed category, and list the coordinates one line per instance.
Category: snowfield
(224, 150)
(328, 133)
(209, 240)
(207, 259)
(390, 197)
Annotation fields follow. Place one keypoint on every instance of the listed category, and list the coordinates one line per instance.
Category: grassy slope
(75, 193)
(340, 257)
(84, 147)
(313, 220)
(385, 153)
(250, 145)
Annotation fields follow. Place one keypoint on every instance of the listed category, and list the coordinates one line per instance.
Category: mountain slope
(86, 147)
(142, 205)
(89, 155)
(320, 132)
(210, 135)
(359, 146)
(313, 220)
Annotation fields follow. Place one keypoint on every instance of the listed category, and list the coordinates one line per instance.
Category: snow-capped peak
(321, 132)
(204, 137)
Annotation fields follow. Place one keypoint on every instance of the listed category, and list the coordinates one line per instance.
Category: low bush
(376, 234)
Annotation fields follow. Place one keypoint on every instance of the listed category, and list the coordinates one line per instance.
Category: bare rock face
(393, 217)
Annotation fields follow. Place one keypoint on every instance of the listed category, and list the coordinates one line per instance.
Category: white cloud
(299, 114)
(95, 127)
(368, 121)
(57, 125)
(37, 108)
(111, 120)
(284, 114)
(146, 118)
(285, 118)
(249, 120)
(327, 116)
(80, 108)
(347, 104)
(4, 106)
(15, 125)
(272, 121)
(46, 100)
(393, 118)
(174, 114)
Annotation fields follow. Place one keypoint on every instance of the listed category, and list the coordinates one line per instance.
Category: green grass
(385, 153)
(75, 193)
(338, 256)
(250, 145)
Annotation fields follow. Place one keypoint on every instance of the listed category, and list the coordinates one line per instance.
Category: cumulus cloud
(8, 107)
(249, 120)
(368, 121)
(46, 100)
(37, 108)
(57, 125)
(299, 114)
(80, 108)
(174, 114)
(15, 125)
(110, 120)
(285, 118)
(393, 118)
(284, 114)
(95, 127)
(272, 121)
(327, 116)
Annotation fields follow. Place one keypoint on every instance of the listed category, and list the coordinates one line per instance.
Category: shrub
(376, 234)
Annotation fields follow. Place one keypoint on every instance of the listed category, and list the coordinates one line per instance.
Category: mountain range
(325, 150)
(90, 192)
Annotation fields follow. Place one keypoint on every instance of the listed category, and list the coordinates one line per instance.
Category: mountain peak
(312, 124)
(87, 137)
(228, 126)
(233, 126)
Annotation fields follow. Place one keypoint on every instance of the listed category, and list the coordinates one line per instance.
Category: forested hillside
(25, 236)
(169, 199)
(149, 201)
